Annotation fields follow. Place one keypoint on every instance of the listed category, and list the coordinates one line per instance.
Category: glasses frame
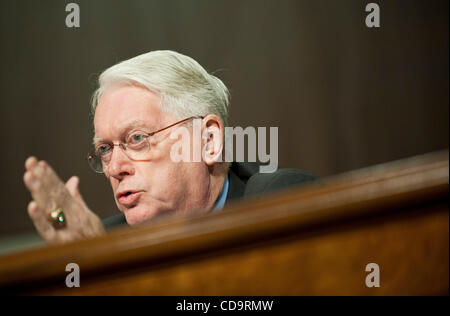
(124, 146)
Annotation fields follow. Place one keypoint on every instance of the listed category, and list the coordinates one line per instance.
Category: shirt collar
(220, 202)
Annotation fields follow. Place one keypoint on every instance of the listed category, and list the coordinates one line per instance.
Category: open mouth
(129, 198)
(125, 194)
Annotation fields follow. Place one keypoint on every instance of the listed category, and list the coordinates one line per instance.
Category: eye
(137, 138)
(102, 150)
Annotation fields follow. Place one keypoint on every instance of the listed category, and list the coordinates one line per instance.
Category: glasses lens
(95, 163)
(138, 150)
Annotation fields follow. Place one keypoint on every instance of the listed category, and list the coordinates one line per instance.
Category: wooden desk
(315, 240)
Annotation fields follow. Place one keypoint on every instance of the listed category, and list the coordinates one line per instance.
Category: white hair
(184, 86)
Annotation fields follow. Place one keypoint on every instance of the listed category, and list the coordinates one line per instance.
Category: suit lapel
(236, 187)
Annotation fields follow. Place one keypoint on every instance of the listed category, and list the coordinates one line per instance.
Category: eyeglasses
(136, 147)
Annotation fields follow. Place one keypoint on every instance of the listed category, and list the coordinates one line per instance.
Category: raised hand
(49, 194)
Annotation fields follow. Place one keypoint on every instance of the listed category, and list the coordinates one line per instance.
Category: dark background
(343, 96)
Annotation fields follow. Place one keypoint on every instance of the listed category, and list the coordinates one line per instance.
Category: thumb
(72, 187)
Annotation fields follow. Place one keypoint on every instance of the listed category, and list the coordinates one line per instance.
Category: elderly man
(138, 104)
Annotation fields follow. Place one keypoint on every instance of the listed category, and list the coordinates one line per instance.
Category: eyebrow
(130, 125)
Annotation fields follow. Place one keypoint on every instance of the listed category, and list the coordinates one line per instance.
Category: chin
(139, 214)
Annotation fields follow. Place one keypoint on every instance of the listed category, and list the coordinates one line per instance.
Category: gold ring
(58, 219)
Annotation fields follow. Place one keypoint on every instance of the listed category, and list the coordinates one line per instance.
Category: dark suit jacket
(245, 180)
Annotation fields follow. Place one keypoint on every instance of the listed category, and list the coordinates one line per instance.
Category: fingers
(43, 183)
(28, 180)
(30, 163)
(35, 170)
(28, 177)
(33, 209)
(40, 221)
(37, 215)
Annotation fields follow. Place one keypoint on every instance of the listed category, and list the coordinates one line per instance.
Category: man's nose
(119, 165)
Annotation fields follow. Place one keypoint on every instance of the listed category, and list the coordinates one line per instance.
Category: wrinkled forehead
(123, 107)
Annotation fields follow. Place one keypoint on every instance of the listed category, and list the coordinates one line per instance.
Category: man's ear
(212, 139)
